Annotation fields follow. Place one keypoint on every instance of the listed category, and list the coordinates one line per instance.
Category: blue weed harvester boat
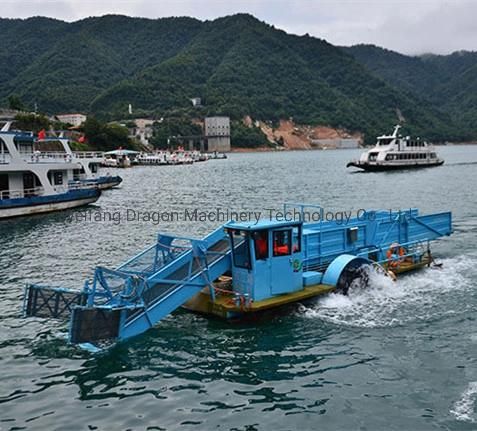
(238, 270)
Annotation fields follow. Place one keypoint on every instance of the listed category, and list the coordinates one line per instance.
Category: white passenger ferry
(37, 177)
(394, 151)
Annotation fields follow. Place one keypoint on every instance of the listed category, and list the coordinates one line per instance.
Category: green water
(395, 357)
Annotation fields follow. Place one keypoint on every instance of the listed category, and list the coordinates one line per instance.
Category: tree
(31, 122)
(14, 102)
(105, 136)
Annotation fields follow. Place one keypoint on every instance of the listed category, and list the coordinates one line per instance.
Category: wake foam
(425, 295)
(463, 409)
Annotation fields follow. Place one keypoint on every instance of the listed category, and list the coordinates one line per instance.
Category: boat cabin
(266, 258)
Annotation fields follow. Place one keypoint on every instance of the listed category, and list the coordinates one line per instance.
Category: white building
(73, 119)
(217, 133)
(143, 130)
(196, 102)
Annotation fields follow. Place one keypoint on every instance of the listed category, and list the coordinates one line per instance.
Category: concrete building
(73, 119)
(217, 133)
(143, 130)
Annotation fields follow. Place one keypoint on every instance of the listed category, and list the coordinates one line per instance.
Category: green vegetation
(239, 66)
(448, 82)
(32, 122)
(247, 137)
(103, 136)
(14, 102)
(166, 132)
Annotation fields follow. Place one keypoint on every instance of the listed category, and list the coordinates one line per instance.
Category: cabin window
(57, 177)
(3, 148)
(241, 249)
(373, 157)
(260, 242)
(296, 239)
(94, 167)
(4, 187)
(433, 155)
(281, 243)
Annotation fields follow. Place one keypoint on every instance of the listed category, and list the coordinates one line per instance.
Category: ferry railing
(5, 159)
(23, 193)
(80, 185)
(88, 154)
(45, 157)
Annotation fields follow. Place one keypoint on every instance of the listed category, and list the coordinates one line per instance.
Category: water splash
(463, 409)
(428, 294)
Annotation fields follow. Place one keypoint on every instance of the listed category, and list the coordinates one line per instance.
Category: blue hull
(38, 204)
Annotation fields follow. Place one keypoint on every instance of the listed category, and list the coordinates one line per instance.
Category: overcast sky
(410, 27)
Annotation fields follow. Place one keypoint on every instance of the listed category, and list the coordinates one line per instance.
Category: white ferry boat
(34, 179)
(394, 151)
(89, 162)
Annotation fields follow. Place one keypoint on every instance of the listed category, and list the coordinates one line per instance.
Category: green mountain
(448, 82)
(238, 65)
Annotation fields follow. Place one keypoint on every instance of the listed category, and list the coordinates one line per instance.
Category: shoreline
(274, 150)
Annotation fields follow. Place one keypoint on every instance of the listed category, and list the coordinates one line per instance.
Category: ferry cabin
(39, 176)
(27, 171)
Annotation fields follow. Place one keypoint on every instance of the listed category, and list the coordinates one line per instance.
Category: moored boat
(393, 152)
(34, 179)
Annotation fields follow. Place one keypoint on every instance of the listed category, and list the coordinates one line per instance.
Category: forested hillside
(239, 66)
(448, 82)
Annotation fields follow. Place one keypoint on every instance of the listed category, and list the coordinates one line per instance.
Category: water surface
(396, 357)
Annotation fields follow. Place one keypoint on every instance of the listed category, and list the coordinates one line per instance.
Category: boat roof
(261, 224)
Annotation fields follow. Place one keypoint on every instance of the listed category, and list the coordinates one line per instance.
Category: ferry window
(433, 155)
(296, 239)
(3, 147)
(281, 243)
(373, 157)
(241, 249)
(58, 178)
(260, 242)
(94, 168)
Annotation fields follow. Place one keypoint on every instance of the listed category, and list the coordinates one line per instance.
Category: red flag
(42, 134)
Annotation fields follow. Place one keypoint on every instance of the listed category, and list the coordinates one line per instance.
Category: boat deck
(225, 305)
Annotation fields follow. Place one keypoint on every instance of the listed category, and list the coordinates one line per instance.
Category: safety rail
(80, 185)
(137, 286)
(15, 194)
(45, 157)
(5, 158)
(411, 248)
(156, 256)
(88, 154)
